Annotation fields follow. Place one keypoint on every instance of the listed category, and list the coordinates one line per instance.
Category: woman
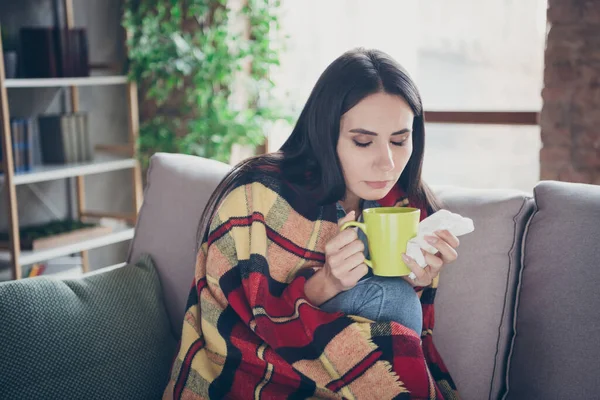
(282, 304)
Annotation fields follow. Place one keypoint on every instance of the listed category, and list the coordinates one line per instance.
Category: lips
(378, 184)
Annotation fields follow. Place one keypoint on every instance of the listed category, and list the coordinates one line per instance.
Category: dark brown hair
(309, 156)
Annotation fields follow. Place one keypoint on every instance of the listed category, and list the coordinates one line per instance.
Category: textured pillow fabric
(103, 336)
(556, 348)
(476, 297)
(167, 230)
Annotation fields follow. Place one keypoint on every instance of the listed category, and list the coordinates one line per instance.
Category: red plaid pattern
(249, 331)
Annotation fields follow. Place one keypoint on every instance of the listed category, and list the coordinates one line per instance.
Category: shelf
(60, 82)
(29, 257)
(102, 163)
(121, 156)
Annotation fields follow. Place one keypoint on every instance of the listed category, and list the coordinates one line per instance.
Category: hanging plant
(191, 66)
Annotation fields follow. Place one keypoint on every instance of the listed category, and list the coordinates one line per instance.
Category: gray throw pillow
(103, 336)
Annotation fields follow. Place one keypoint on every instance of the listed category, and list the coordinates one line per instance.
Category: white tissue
(441, 220)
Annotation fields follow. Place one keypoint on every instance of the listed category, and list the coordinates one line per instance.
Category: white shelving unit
(63, 82)
(102, 163)
(43, 173)
(31, 257)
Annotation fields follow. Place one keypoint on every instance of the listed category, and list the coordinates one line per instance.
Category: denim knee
(391, 299)
(380, 299)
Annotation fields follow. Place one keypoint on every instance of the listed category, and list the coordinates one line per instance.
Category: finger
(341, 268)
(352, 262)
(358, 272)
(356, 246)
(419, 273)
(340, 240)
(448, 237)
(346, 237)
(447, 252)
(351, 216)
(427, 278)
(434, 261)
(338, 256)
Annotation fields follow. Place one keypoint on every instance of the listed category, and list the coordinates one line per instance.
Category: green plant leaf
(190, 67)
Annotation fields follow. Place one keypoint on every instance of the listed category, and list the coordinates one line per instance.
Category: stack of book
(54, 52)
(24, 144)
(65, 138)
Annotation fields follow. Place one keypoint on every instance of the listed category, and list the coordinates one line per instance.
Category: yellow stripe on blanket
(268, 373)
(261, 311)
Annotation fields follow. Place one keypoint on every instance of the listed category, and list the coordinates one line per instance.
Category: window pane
(482, 156)
(481, 55)
(463, 54)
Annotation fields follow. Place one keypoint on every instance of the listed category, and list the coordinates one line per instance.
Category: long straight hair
(309, 157)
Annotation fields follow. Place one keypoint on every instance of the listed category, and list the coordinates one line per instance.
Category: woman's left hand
(446, 244)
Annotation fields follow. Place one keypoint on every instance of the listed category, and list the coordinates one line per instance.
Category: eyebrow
(366, 132)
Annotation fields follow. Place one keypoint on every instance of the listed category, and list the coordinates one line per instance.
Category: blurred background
(92, 88)
(465, 55)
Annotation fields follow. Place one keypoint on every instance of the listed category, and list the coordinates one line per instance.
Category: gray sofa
(516, 316)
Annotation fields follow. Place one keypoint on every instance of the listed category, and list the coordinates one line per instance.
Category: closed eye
(359, 144)
(367, 144)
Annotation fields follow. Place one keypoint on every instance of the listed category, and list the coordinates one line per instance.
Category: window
(465, 55)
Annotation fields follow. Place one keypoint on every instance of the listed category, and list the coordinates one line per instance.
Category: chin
(375, 194)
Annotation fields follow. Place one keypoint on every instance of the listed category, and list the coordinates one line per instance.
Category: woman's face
(375, 145)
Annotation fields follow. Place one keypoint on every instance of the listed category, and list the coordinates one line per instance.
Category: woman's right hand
(344, 257)
(343, 268)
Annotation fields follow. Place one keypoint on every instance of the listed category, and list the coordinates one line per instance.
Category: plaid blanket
(250, 332)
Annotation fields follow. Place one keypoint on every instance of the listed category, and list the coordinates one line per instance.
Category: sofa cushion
(475, 299)
(102, 336)
(177, 190)
(556, 352)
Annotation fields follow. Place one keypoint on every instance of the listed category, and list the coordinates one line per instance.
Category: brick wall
(570, 119)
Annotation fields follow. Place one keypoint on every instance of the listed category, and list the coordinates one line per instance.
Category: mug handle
(363, 228)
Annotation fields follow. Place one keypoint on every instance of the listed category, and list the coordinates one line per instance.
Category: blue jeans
(380, 299)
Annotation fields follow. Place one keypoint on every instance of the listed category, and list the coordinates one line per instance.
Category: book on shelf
(36, 269)
(15, 129)
(25, 145)
(55, 139)
(52, 52)
(38, 53)
(79, 50)
(23, 142)
(65, 138)
(83, 137)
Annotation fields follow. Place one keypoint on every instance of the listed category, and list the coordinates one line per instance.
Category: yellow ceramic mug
(388, 230)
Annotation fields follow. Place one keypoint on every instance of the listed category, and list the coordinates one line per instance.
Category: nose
(385, 159)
